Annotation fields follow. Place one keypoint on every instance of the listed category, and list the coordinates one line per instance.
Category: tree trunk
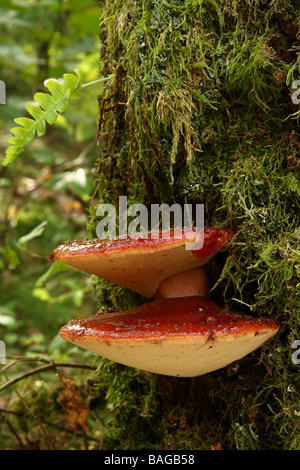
(201, 111)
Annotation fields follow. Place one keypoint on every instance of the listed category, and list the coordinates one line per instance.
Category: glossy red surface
(188, 316)
(214, 239)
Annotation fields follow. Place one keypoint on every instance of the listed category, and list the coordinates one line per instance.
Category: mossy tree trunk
(202, 113)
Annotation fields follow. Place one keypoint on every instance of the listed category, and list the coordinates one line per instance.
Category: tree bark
(200, 111)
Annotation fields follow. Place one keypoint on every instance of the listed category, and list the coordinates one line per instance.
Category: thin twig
(48, 366)
(35, 417)
(16, 413)
(70, 431)
(14, 432)
(22, 359)
(44, 430)
(79, 160)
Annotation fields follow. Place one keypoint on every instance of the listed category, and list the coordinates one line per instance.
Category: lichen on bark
(205, 116)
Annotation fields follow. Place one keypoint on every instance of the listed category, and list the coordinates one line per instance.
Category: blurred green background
(44, 194)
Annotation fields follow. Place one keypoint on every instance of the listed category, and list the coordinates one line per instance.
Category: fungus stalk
(188, 283)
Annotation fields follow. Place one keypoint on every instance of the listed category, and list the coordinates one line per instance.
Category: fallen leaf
(75, 408)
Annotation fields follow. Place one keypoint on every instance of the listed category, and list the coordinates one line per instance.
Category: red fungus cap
(183, 337)
(140, 263)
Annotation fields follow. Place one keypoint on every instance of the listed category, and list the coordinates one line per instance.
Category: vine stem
(98, 80)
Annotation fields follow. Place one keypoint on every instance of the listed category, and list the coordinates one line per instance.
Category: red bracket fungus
(181, 332)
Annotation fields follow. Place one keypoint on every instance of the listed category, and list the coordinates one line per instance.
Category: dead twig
(48, 366)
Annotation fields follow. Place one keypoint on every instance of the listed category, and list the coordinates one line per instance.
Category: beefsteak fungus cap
(183, 337)
(141, 264)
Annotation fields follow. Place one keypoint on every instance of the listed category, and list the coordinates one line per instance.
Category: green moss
(207, 117)
(131, 411)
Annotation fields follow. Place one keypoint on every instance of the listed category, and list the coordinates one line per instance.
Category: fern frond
(46, 110)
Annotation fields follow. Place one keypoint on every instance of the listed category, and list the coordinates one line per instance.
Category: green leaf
(41, 293)
(12, 152)
(20, 132)
(46, 110)
(11, 256)
(48, 107)
(56, 267)
(56, 343)
(58, 91)
(45, 100)
(23, 121)
(36, 232)
(35, 112)
(72, 83)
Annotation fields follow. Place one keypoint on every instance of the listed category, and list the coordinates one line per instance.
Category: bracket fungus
(181, 332)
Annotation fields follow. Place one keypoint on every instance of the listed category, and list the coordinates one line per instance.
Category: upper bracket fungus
(139, 262)
(181, 332)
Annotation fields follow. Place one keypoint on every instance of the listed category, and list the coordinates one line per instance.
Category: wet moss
(205, 116)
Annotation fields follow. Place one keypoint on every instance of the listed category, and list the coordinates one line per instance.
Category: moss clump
(131, 409)
(206, 116)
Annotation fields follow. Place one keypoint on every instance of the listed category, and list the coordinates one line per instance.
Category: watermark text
(2, 92)
(296, 354)
(296, 95)
(153, 221)
(2, 352)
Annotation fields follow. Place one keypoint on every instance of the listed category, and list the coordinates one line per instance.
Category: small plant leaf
(45, 110)
(58, 91)
(72, 83)
(36, 232)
